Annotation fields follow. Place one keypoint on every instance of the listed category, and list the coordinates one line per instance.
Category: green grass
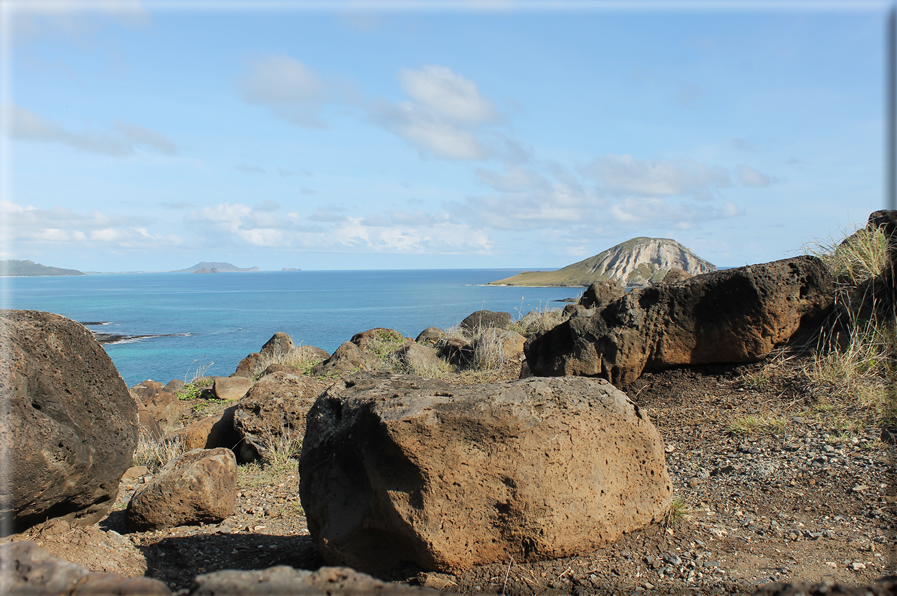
(190, 391)
(756, 424)
(678, 511)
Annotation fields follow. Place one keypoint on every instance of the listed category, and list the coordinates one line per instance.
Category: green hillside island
(636, 262)
(13, 268)
(207, 267)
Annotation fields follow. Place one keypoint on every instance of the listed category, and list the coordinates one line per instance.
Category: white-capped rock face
(639, 260)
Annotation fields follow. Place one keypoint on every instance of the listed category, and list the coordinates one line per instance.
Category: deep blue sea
(216, 320)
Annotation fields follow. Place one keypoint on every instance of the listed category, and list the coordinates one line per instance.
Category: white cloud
(443, 116)
(447, 95)
(748, 176)
(30, 226)
(144, 136)
(287, 87)
(29, 126)
(517, 179)
(623, 175)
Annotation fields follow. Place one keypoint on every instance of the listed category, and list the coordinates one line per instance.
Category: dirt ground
(772, 484)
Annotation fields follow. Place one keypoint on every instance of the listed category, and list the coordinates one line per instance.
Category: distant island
(636, 262)
(13, 268)
(208, 267)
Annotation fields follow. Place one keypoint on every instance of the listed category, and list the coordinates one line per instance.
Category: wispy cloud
(30, 126)
(625, 175)
(287, 87)
(443, 115)
(249, 169)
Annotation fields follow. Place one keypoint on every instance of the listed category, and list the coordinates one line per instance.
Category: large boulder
(398, 469)
(280, 344)
(347, 358)
(29, 569)
(378, 340)
(602, 293)
(485, 319)
(249, 365)
(286, 581)
(418, 359)
(199, 486)
(230, 388)
(736, 315)
(275, 406)
(69, 426)
(211, 432)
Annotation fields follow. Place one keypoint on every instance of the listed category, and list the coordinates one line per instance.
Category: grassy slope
(582, 273)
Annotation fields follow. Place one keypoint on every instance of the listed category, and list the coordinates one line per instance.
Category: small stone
(857, 566)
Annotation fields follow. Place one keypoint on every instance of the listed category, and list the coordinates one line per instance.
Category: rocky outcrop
(418, 359)
(200, 486)
(29, 569)
(69, 426)
(398, 469)
(249, 364)
(602, 293)
(276, 405)
(736, 315)
(286, 581)
(347, 358)
(374, 339)
(486, 318)
(430, 336)
(231, 388)
(279, 344)
(211, 432)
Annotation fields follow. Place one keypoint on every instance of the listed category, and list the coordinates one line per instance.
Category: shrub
(155, 453)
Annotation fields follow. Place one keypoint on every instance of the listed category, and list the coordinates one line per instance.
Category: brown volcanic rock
(601, 293)
(347, 357)
(397, 469)
(199, 486)
(29, 569)
(486, 318)
(276, 404)
(70, 425)
(736, 315)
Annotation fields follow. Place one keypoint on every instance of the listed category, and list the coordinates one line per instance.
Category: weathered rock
(575, 310)
(248, 365)
(199, 486)
(430, 336)
(602, 293)
(398, 469)
(512, 344)
(147, 389)
(675, 276)
(280, 344)
(885, 588)
(736, 315)
(280, 368)
(211, 432)
(70, 426)
(88, 546)
(286, 581)
(347, 357)
(455, 351)
(230, 388)
(163, 406)
(305, 353)
(418, 359)
(29, 569)
(147, 423)
(486, 318)
(277, 404)
(175, 385)
(374, 339)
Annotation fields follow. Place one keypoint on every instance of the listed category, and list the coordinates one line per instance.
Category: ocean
(211, 322)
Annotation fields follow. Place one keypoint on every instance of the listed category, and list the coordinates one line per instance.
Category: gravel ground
(770, 487)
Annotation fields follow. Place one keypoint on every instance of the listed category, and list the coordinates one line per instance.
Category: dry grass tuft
(155, 453)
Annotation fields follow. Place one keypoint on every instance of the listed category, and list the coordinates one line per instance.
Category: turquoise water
(221, 318)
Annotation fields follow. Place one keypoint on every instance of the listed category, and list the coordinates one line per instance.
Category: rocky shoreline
(775, 477)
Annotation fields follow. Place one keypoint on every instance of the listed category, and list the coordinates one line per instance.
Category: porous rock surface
(286, 581)
(486, 318)
(26, 568)
(347, 357)
(230, 388)
(70, 425)
(276, 404)
(398, 469)
(736, 315)
(198, 486)
(601, 293)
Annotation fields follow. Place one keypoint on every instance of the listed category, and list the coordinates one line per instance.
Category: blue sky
(153, 135)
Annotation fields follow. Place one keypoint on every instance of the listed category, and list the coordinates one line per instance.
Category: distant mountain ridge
(221, 268)
(11, 267)
(635, 262)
